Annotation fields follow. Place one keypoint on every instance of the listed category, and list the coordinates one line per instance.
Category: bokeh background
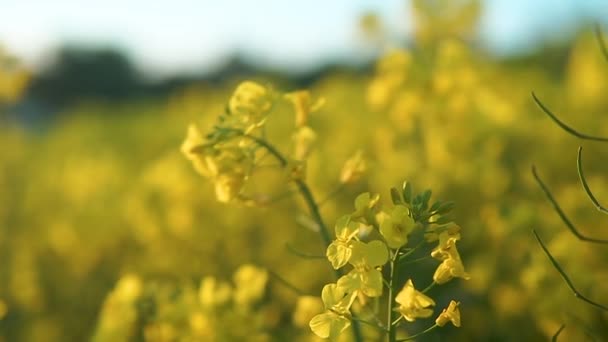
(106, 231)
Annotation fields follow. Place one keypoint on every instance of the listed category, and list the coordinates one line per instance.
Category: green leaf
(407, 192)
(435, 206)
(445, 207)
(443, 220)
(426, 196)
(396, 197)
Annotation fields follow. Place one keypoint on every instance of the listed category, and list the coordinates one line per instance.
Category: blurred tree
(81, 73)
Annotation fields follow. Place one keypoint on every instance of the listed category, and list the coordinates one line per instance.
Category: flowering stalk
(366, 240)
(392, 331)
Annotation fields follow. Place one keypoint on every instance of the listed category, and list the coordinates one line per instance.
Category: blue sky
(182, 35)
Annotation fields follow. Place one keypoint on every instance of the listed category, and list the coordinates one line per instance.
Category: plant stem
(392, 332)
(418, 334)
(354, 319)
(429, 287)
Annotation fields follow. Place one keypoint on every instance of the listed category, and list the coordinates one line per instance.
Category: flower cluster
(369, 240)
(229, 154)
(168, 312)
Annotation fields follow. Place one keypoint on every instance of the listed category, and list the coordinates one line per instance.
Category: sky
(166, 37)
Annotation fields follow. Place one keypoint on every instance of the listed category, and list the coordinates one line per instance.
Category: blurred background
(106, 231)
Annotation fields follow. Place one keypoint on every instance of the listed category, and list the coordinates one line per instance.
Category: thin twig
(428, 288)
(286, 283)
(379, 327)
(294, 251)
(418, 334)
(414, 260)
(561, 213)
(579, 166)
(559, 331)
(565, 276)
(563, 125)
(333, 193)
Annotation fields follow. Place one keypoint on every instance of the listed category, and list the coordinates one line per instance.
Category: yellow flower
(446, 241)
(391, 73)
(340, 250)
(336, 318)
(450, 314)
(413, 303)
(212, 293)
(226, 165)
(396, 227)
(250, 282)
(353, 168)
(250, 102)
(306, 308)
(364, 205)
(451, 266)
(192, 150)
(228, 186)
(365, 278)
(304, 139)
(303, 105)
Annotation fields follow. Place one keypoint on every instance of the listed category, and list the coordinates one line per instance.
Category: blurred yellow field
(194, 217)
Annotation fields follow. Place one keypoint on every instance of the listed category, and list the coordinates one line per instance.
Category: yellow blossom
(336, 318)
(228, 186)
(213, 293)
(304, 139)
(191, 148)
(446, 240)
(225, 165)
(340, 250)
(450, 314)
(250, 284)
(396, 227)
(391, 73)
(250, 102)
(451, 266)
(364, 205)
(306, 308)
(365, 278)
(413, 303)
(353, 168)
(303, 105)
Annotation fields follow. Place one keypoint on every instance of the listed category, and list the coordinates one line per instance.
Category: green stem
(333, 193)
(392, 332)
(418, 334)
(403, 256)
(302, 255)
(286, 283)
(302, 186)
(429, 287)
(314, 211)
(369, 323)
